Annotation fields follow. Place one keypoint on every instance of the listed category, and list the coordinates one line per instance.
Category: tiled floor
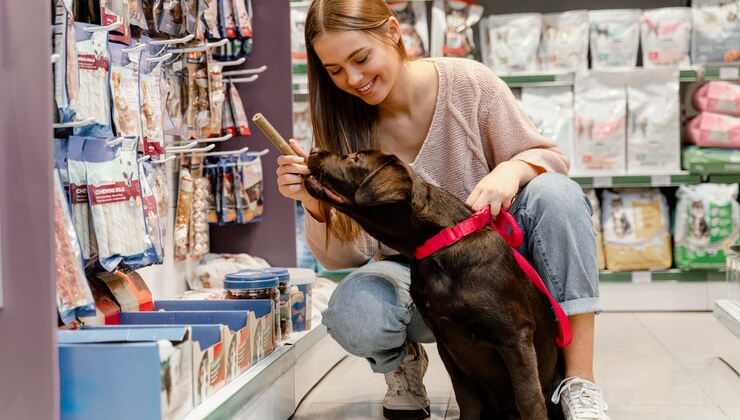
(651, 366)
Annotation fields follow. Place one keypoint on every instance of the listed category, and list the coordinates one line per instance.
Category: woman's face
(360, 64)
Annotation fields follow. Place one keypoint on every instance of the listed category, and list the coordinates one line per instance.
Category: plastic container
(255, 285)
(286, 322)
(301, 293)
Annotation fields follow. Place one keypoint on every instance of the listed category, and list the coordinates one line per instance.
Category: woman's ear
(394, 29)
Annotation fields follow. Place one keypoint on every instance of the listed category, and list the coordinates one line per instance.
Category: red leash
(502, 225)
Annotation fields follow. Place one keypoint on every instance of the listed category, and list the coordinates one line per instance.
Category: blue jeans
(371, 313)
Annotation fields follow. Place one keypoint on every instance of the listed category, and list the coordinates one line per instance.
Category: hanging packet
(511, 42)
(720, 97)
(228, 198)
(199, 237)
(190, 12)
(136, 14)
(238, 199)
(152, 13)
(124, 89)
(214, 196)
(61, 151)
(209, 20)
(452, 28)
(216, 96)
(237, 107)
(151, 211)
(150, 91)
(66, 84)
(112, 11)
(666, 37)
(184, 209)
(116, 204)
(171, 19)
(197, 115)
(551, 110)
(78, 193)
(298, 40)
(654, 126)
(226, 21)
(251, 171)
(228, 126)
(716, 34)
(243, 18)
(565, 41)
(412, 17)
(74, 298)
(158, 180)
(173, 73)
(615, 36)
(93, 96)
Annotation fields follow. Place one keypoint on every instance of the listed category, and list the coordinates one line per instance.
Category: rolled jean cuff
(581, 306)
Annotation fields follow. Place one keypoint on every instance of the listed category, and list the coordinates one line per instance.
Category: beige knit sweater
(477, 124)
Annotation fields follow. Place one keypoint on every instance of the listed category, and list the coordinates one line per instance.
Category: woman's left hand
(499, 188)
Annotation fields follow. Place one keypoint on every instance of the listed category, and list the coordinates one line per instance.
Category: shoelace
(585, 400)
(395, 381)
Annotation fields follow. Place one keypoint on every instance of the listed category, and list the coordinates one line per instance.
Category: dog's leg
(521, 360)
(466, 395)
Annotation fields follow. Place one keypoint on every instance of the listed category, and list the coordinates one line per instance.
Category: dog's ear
(391, 182)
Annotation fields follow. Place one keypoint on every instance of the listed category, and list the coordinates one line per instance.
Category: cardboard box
(126, 373)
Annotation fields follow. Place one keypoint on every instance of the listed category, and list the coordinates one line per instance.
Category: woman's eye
(364, 59)
(334, 73)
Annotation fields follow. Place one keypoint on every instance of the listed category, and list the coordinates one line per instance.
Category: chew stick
(272, 134)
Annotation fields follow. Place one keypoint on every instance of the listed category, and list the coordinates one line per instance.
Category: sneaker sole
(406, 414)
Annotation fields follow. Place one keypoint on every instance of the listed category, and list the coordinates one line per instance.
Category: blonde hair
(341, 122)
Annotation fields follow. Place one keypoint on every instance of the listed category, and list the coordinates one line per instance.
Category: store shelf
(671, 275)
(688, 75)
(722, 71)
(725, 178)
(609, 181)
(562, 79)
(728, 313)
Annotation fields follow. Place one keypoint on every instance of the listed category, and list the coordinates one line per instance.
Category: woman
(459, 127)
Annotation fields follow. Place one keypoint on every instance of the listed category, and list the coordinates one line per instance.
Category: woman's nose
(354, 78)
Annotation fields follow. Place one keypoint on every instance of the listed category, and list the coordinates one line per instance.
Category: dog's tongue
(329, 193)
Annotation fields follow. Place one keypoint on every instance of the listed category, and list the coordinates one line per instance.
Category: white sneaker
(406, 398)
(581, 400)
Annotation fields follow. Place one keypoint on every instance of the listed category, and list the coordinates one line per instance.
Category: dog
(495, 331)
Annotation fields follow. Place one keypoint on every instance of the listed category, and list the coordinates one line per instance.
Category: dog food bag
(112, 11)
(510, 42)
(79, 199)
(666, 37)
(116, 203)
(551, 110)
(124, 90)
(600, 123)
(707, 225)
(714, 130)
(73, 294)
(184, 209)
(151, 211)
(596, 218)
(251, 170)
(412, 16)
(719, 97)
(654, 126)
(94, 65)
(565, 41)
(636, 230)
(706, 160)
(615, 36)
(150, 89)
(716, 35)
(452, 28)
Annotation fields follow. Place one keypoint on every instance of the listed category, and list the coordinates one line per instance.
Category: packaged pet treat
(210, 20)
(228, 197)
(615, 36)
(636, 230)
(66, 84)
(596, 218)
(151, 211)
(172, 18)
(124, 89)
(214, 197)
(237, 108)
(707, 225)
(184, 209)
(412, 16)
(719, 97)
(150, 80)
(551, 111)
(172, 118)
(600, 107)
(94, 65)
(251, 171)
(226, 19)
(238, 198)
(190, 12)
(152, 12)
(716, 35)
(654, 126)
(666, 37)
(197, 116)
(136, 14)
(714, 130)
(242, 10)
(297, 39)
(112, 11)
(511, 42)
(565, 41)
(158, 180)
(452, 28)
(199, 235)
(79, 198)
(216, 97)
(228, 126)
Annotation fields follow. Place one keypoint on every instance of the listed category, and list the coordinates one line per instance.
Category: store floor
(651, 366)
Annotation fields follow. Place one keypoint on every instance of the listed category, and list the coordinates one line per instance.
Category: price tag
(729, 72)
(641, 277)
(660, 180)
(602, 182)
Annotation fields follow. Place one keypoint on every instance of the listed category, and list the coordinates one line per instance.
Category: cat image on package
(620, 223)
(697, 221)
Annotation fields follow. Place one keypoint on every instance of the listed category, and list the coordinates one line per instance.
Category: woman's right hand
(292, 169)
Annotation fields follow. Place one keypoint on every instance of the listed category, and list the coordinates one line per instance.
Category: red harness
(502, 225)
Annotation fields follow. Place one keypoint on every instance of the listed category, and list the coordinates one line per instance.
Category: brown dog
(495, 331)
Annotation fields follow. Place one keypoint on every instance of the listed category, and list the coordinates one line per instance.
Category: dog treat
(237, 108)
(124, 89)
(79, 197)
(151, 211)
(227, 24)
(150, 80)
(199, 239)
(615, 36)
(94, 65)
(272, 134)
(182, 216)
(216, 97)
(251, 178)
(112, 11)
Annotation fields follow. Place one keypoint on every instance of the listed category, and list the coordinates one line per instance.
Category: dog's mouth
(318, 187)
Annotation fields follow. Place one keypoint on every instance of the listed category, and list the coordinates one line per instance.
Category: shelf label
(660, 180)
(602, 182)
(641, 277)
(729, 72)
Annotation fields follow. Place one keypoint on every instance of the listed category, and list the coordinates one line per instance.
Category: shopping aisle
(652, 366)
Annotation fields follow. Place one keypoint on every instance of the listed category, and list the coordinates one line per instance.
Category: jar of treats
(255, 285)
(286, 321)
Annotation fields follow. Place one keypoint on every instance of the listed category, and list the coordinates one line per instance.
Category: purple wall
(28, 354)
(274, 237)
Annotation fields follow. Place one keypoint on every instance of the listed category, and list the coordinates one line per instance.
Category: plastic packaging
(716, 35)
(714, 130)
(301, 296)
(79, 197)
(124, 89)
(719, 97)
(512, 42)
(237, 108)
(151, 211)
(551, 110)
(565, 41)
(93, 97)
(452, 28)
(615, 36)
(255, 285)
(184, 208)
(150, 89)
(666, 37)
(412, 17)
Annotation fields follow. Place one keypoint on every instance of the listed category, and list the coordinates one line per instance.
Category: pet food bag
(714, 130)
(596, 218)
(94, 66)
(150, 89)
(636, 230)
(565, 41)
(151, 211)
(216, 97)
(124, 90)
(237, 108)
(78, 196)
(710, 160)
(251, 177)
(510, 42)
(297, 39)
(716, 35)
(66, 83)
(452, 28)
(112, 11)
(615, 36)
(666, 37)
(707, 224)
(551, 110)
(184, 210)
(654, 127)
(600, 123)
(412, 16)
(199, 241)
(719, 97)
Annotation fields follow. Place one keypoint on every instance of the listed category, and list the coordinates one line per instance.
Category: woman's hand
(499, 188)
(291, 172)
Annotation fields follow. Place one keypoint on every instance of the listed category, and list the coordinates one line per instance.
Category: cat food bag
(714, 130)
(112, 11)
(412, 16)
(600, 119)
(636, 230)
(615, 36)
(237, 108)
(666, 37)
(184, 210)
(716, 35)
(707, 225)
(124, 90)
(654, 126)
(79, 198)
(251, 178)
(93, 73)
(452, 28)
(150, 90)
(719, 97)
(565, 41)
(511, 42)
(596, 218)
(711, 160)
(551, 110)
